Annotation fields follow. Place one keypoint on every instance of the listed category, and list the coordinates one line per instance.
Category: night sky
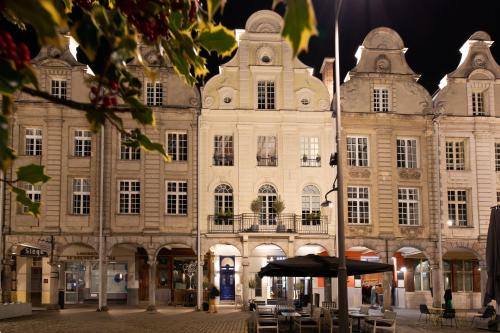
(432, 30)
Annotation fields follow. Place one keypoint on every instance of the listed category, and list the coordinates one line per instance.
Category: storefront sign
(33, 252)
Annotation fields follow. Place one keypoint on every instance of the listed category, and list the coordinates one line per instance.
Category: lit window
(177, 199)
(478, 104)
(357, 151)
(311, 213)
(309, 151)
(358, 205)
(128, 153)
(268, 195)
(130, 197)
(81, 196)
(33, 141)
(177, 146)
(422, 275)
(461, 275)
(223, 199)
(407, 153)
(82, 143)
(33, 192)
(265, 95)
(380, 100)
(408, 206)
(266, 151)
(457, 208)
(455, 155)
(154, 93)
(223, 150)
(58, 88)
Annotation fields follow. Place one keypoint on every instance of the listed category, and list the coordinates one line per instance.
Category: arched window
(267, 213)
(223, 200)
(422, 275)
(311, 198)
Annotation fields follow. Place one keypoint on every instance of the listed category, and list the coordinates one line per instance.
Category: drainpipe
(101, 205)
(436, 125)
(199, 271)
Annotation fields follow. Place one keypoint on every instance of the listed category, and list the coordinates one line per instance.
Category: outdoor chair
(488, 313)
(386, 323)
(329, 305)
(266, 323)
(313, 321)
(449, 315)
(424, 311)
(333, 322)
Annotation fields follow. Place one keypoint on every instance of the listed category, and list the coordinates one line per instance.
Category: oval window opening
(266, 59)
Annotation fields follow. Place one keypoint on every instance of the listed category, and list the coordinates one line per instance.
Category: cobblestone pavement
(171, 320)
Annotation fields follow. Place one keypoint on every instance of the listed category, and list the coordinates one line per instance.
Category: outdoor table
(359, 316)
(462, 317)
(436, 314)
(290, 315)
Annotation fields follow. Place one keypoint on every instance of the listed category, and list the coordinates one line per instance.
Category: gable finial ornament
(382, 64)
(479, 60)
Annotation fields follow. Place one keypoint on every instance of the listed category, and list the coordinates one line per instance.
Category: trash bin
(61, 299)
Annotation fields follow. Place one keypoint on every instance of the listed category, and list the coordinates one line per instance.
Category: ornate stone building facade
(148, 207)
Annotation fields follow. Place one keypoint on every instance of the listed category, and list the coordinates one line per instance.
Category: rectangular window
(461, 275)
(457, 208)
(408, 206)
(154, 93)
(58, 88)
(128, 153)
(497, 157)
(33, 141)
(177, 199)
(81, 196)
(309, 151)
(265, 95)
(177, 145)
(34, 193)
(82, 144)
(478, 104)
(357, 151)
(130, 197)
(455, 155)
(267, 151)
(358, 205)
(380, 100)
(223, 150)
(406, 153)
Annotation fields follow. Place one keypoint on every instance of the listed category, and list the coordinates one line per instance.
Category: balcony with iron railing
(308, 161)
(223, 160)
(267, 161)
(255, 223)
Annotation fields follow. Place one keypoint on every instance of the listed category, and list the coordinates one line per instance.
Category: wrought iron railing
(285, 223)
(310, 161)
(267, 161)
(223, 160)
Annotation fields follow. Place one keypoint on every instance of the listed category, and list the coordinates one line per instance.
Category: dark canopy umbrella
(320, 266)
(492, 258)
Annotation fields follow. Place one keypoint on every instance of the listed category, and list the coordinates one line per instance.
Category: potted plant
(279, 207)
(256, 207)
(318, 158)
(304, 158)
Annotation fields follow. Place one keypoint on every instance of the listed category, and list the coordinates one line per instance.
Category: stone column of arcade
(245, 263)
(50, 284)
(152, 283)
(104, 283)
(484, 280)
(289, 280)
(436, 286)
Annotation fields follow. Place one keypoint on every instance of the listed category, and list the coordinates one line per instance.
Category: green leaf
(32, 174)
(217, 38)
(23, 199)
(140, 112)
(137, 139)
(300, 24)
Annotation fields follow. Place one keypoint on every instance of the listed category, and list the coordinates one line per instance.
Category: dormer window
(478, 104)
(58, 88)
(265, 95)
(154, 93)
(380, 102)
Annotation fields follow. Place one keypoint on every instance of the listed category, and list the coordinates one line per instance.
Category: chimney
(327, 75)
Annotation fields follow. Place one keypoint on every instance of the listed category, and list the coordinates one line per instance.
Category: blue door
(227, 278)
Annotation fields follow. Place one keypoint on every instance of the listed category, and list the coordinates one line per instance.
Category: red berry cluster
(106, 100)
(19, 53)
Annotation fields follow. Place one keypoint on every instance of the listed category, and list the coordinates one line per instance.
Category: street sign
(33, 252)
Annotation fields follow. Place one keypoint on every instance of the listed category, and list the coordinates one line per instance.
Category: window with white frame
(309, 151)
(406, 153)
(380, 99)
(497, 157)
(33, 192)
(358, 205)
(266, 95)
(455, 154)
(408, 206)
(177, 199)
(81, 196)
(478, 104)
(461, 275)
(267, 151)
(311, 205)
(58, 88)
(223, 150)
(154, 93)
(33, 141)
(422, 275)
(177, 146)
(130, 196)
(82, 143)
(128, 153)
(357, 151)
(457, 208)
(223, 204)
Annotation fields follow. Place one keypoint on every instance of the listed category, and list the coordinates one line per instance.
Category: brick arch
(64, 242)
(476, 248)
(283, 248)
(426, 249)
(158, 245)
(327, 244)
(109, 248)
(207, 244)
